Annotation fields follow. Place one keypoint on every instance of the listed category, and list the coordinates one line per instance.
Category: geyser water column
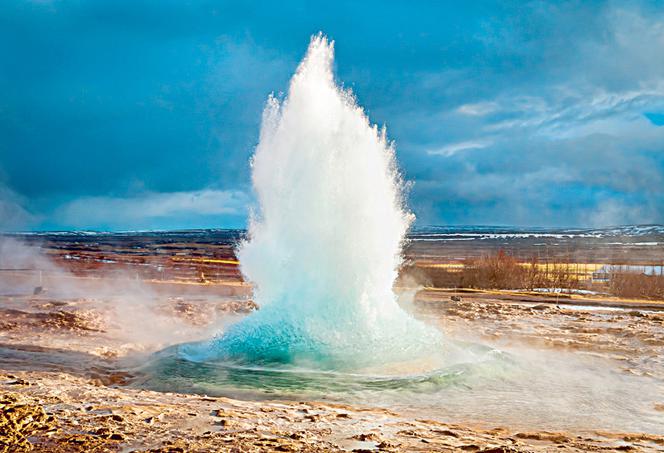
(325, 246)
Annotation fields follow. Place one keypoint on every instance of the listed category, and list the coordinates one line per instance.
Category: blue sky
(134, 114)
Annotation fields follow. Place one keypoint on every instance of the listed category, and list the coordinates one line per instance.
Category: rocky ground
(66, 383)
(629, 332)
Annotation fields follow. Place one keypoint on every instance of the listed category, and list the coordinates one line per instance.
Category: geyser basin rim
(458, 354)
(171, 370)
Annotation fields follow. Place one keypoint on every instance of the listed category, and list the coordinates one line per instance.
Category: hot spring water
(323, 252)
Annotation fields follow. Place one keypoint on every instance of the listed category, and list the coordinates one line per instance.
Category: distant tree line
(625, 284)
(503, 271)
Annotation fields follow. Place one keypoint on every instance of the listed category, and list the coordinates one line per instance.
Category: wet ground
(71, 381)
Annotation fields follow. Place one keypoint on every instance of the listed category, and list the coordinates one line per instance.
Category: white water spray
(325, 247)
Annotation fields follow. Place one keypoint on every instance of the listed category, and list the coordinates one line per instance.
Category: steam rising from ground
(325, 247)
(132, 311)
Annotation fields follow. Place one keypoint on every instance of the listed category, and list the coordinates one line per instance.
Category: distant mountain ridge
(522, 232)
(432, 231)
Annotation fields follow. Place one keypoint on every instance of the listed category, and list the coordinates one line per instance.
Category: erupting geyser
(324, 248)
(323, 253)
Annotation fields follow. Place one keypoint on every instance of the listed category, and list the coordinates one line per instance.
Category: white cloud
(453, 148)
(612, 212)
(578, 114)
(141, 210)
(478, 109)
(13, 216)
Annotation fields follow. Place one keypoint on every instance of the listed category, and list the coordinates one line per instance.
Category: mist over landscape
(331, 227)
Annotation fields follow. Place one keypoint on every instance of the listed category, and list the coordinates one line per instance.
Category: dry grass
(637, 285)
(498, 271)
(503, 271)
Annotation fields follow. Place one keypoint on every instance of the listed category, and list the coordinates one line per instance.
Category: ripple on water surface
(524, 388)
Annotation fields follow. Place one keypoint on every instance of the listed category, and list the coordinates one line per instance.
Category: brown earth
(67, 358)
(65, 385)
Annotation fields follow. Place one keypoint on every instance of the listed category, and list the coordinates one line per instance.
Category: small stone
(365, 437)
(103, 432)
(445, 432)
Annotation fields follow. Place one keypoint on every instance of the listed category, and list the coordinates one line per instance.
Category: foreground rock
(45, 411)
